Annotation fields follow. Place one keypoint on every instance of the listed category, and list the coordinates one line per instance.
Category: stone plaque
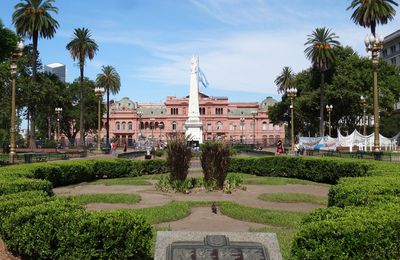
(216, 247)
(184, 245)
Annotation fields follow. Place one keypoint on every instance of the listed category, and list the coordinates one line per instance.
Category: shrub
(214, 160)
(35, 233)
(350, 233)
(14, 185)
(12, 202)
(314, 169)
(178, 158)
(363, 191)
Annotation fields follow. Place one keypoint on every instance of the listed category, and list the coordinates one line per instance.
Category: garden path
(151, 197)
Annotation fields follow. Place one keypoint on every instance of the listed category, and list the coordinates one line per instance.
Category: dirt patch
(202, 219)
(4, 254)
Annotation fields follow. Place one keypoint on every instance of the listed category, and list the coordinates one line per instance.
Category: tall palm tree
(369, 13)
(284, 80)
(32, 20)
(82, 46)
(320, 51)
(109, 80)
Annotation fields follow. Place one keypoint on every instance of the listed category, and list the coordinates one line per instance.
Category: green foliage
(178, 158)
(215, 162)
(14, 185)
(349, 70)
(293, 198)
(9, 204)
(159, 152)
(314, 169)
(8, 41)
(35, 233)
(350, 233)
(103, 198)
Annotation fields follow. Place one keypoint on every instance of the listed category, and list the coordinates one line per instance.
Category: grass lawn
(285, 223)
(264, 180)
(140, 180)
(294, 197)
(103, 198)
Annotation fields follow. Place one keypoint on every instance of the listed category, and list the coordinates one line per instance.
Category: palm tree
(284, 80)
(320, 51)
(32, 20)
(82, 46)
(372, 12)
(109, 80)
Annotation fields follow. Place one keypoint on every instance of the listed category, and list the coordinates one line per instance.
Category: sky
(242, 44)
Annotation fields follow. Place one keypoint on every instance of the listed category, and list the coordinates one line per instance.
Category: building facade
(391, 54)
(58, 69)
(239, 122)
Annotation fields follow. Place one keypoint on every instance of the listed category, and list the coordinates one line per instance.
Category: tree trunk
(82, 107)
(108, 118)
(322, 104)
(32, 143)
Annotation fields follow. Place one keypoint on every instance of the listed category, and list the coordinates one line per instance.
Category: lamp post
(329, 108)
(254, 113)
(242, 126)
(161, 127)
(14, 56)
(374, 45)
(58, 111)
(152, 129)
(292, 93)
(364, 104)
(140, 114)
(99, 94)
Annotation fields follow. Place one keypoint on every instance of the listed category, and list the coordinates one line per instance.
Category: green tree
(284, 80)
(109, 80)
(369, 13)
(81, 47)
(319, 50)
(8, 41)
(32, 20)
(71, 113)
(349, 78)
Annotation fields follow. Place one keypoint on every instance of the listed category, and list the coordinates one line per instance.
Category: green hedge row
(327, 170)
(70, 172)
(63, 230)
(351, 233)
(35, 225)
(362, 221)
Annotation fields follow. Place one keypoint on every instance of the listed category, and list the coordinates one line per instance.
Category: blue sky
(243, 44)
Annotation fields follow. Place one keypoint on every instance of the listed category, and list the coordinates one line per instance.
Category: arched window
(130, 126)
(219, 125)
(264, 126)
(123, 125)
(174, 125)
(141, 125)
(117, 125)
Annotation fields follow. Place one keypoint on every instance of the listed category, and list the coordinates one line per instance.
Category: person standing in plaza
(279, 147)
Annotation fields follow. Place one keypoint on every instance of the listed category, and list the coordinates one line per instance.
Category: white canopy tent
(354, 139)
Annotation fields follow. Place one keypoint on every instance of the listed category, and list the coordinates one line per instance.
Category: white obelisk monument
(194, 130)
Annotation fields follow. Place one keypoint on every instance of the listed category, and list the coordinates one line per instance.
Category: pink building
(241, 122)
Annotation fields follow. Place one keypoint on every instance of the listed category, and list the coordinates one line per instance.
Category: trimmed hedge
(36, 226)
(363, 191)
(365, 226)
(14, 185)
(12, 202)
(63, 230)
(65, 173)
(313, 169)
(350, 233)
